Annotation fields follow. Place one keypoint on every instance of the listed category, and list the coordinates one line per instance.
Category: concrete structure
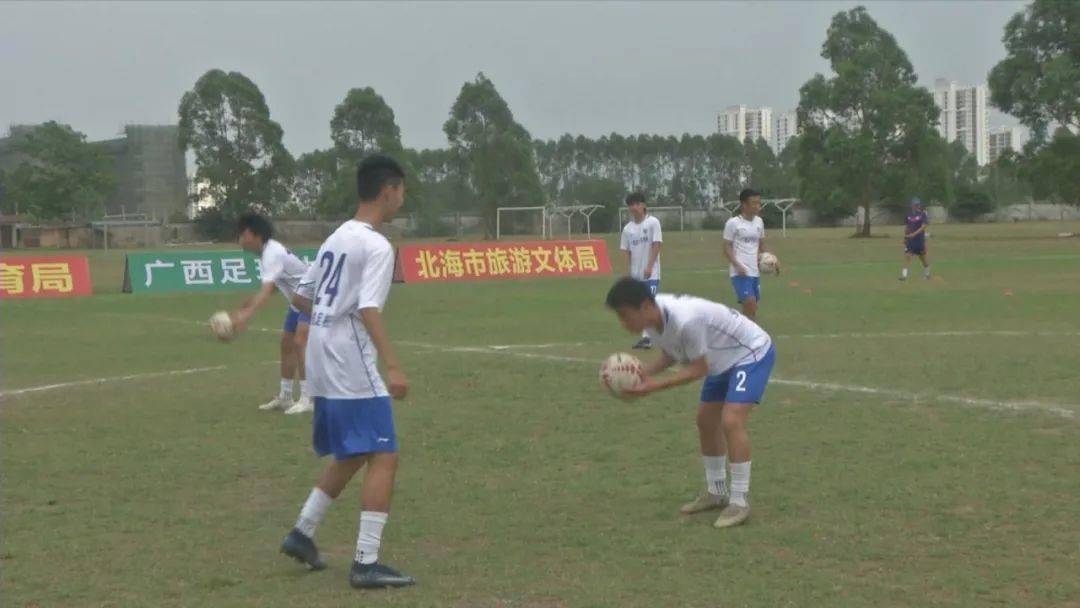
(742, 122)
(785, 127)
(148, 165)
(1000, 139)
(963, 116)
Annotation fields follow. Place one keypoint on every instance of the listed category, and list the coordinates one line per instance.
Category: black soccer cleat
(377, 576)
(643, 344)
(302, 549)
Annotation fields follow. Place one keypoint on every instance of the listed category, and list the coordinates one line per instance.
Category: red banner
(44, 277)
(492, 261)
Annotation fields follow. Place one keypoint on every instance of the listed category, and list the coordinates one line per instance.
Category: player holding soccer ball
(344, 292)
(732, 354)
(744, 241)
(642, 239)
(281, 269)
(915, 239)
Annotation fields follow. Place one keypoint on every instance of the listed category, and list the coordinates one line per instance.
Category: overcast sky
(564, 67)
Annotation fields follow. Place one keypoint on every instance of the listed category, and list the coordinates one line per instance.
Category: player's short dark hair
(748, 194)
(375, 172)
(628, 292)
(635, 197)
(259, 225)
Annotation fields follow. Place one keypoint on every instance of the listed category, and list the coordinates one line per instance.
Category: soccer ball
(222, 326)
(619, 373)
(768, 262)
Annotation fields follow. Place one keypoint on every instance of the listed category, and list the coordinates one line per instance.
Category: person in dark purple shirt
(915, 239)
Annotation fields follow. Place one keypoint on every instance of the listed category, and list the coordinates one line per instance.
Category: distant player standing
(642, 239)
(281, 269)
(915, 239)
(344, 292)
(732, 354)
(744, 242)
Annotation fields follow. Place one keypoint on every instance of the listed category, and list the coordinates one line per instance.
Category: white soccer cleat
(277, 403)
(303, 404)
(705, 502)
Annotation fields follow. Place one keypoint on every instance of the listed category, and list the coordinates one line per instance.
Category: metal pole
(784, 220)
(105, 230)
(498, 224)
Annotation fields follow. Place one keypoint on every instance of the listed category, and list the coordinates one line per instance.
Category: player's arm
(729, 253)
(252, 305)
(654, 250)
(397, 384)
(696, 370)
(664, 362)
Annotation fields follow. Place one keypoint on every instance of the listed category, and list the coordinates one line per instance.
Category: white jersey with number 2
(352, 271)
(696, 328)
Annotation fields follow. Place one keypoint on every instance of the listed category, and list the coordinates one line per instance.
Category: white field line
(95, 381)
(1060, 410)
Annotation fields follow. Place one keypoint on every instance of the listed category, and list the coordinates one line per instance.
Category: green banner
(195, 270)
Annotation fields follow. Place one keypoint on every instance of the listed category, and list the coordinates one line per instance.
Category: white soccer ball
(222, 326)
(768, 262)
(620, 372)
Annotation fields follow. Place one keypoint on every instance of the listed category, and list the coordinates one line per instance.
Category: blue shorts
(742, 384)
(915, 246)
(746, 287)
(654, 286)
(292, 318)
(351, 427)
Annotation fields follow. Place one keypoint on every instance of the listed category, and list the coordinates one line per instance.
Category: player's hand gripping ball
(619, 373)
(222, 326)
(768, 263)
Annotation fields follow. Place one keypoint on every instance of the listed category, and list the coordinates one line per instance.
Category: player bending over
(642, 240)
(915, 239)
(732, 354)
(744, 242)
(281, 269)
(344, 292)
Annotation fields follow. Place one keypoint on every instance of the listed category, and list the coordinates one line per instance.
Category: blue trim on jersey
(363, 359)
(351, 427)
(293, 318)
(746, 287)
(740, 384)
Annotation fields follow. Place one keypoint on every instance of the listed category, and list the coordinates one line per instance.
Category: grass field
(920, 445)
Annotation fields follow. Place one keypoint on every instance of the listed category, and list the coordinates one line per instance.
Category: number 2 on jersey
(328, 285)
(740, 386)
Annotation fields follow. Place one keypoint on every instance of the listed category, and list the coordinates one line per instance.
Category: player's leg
(745, 294)
(367, 572)
(713, 456)
(304, 403)
(907, 265)
(287, 348)
(925, 263)
(749, 307)
(746, 388)
(645, 342)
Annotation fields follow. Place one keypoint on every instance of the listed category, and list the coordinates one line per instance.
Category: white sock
(286, 389)
(370, 537)
(926, 272)
(740, 483)
(303, 388)
(903, 272)
(715, 474)
(312, 513)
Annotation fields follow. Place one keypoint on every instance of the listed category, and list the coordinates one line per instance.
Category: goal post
(499, 226)
(784, 205)
(624, 215)
(569, 212)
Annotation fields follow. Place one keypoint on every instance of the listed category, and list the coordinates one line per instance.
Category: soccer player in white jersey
(642, 239)
(344, 292)
(744, 242)
(282, 270)
(734, 356)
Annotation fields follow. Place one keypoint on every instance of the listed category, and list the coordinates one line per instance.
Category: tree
(1039, 83)
(496, 149)
(240, 159)
(315, 182)
(61, 175)
(363, 123)
(1039, 79)
(862, 129)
